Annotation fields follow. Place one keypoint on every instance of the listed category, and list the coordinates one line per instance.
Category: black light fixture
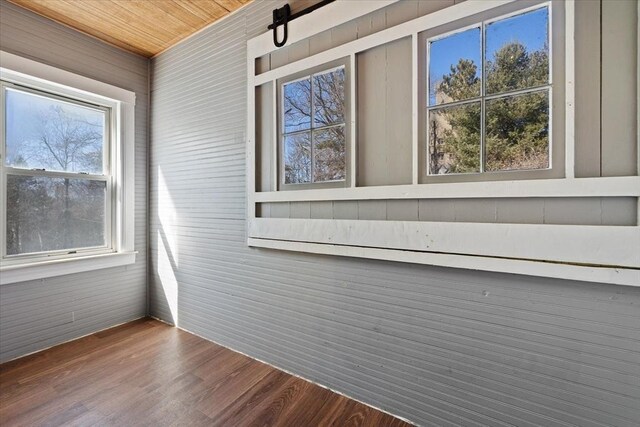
(283, 16)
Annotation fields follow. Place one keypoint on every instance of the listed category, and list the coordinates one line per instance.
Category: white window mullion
(311, 129)
(483, 93)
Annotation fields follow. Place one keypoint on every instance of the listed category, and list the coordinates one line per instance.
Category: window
(489, 91)
(56, 173)
(313, 129)
(66, 172)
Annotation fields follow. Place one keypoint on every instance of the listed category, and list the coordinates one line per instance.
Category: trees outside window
(55, 173)
(313, 128)
(489, 107)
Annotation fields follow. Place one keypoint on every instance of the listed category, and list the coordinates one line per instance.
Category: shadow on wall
(165, 260)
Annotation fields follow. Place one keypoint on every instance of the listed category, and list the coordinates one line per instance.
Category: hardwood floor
(148, 373)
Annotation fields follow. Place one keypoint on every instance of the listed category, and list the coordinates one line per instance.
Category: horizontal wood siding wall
(38, 314)
(438, 346)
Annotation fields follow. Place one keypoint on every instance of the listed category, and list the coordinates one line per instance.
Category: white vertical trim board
(570, 89)
(251, 135)
(275, 142)
(353, 114)
(416, 110)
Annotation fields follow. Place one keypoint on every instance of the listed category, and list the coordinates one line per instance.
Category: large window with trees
(489, 95)
(56, 174)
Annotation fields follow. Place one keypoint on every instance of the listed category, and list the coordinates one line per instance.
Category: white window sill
(53, 268)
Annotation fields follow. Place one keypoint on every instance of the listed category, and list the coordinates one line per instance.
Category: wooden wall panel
(587, 89)
(264, 134)
(619, 88)
(576, 210)
(384, 115)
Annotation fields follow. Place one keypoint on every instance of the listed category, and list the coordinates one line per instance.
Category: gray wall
(37, 314)
(435, 345)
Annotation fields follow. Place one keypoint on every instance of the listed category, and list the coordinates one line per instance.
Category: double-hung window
(66, 172)
(56, 174)
(313, 129)
(489, 96)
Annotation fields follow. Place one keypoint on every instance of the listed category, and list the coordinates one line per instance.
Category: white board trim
(613, 246)
(579, 187)
(614, 276)
(47, 269)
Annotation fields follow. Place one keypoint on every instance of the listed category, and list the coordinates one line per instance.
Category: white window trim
(26, 72)
(599, 261)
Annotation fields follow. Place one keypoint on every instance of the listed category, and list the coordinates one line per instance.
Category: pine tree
(516, 127)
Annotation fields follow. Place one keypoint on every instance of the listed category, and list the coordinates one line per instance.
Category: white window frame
(609, 254)
(119, 104)
(483, 97)
(107, 177)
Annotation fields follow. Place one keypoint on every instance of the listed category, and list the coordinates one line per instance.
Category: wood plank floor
(148, 373)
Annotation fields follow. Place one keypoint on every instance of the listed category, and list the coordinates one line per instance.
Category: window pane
(518, 132)
(454, 139)
(517, 54)
(297, 158)
(47, 133)
(328, 98)
(329, 152)
(297, 105)
(47, 214)
(455, 67)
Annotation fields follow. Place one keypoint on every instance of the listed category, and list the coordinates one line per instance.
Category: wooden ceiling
(145, 27)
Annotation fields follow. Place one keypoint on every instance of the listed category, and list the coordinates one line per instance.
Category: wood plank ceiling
(145, 27)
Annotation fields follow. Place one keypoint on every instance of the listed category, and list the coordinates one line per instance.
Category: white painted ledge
(623, 186)
(53, 268)
(611, 275)
(606, 254)
(611, 246)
